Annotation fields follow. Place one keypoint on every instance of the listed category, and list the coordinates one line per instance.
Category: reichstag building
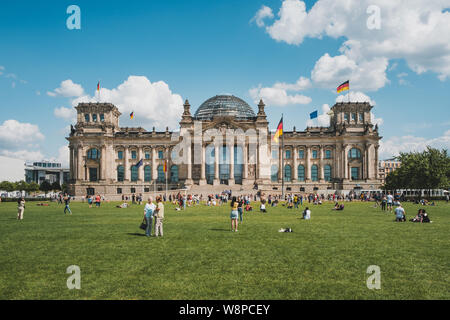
(111, 160)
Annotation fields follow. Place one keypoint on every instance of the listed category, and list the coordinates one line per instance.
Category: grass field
(200, 258)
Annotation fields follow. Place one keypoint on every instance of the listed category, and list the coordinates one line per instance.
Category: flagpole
(166, 180)
(282, 159)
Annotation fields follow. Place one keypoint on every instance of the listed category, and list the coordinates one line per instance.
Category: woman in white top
(307, 214)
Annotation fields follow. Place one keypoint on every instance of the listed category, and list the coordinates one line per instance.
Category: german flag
(132, 115)
(279, 131)
(343, 87)
(165, 166)
(98, 86)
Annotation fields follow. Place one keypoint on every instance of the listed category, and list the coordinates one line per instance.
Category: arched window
(147, 173)
(161, 174)
(287, 173)
(120, 173)
(327, 172)
(174, 174)
(93, 154)
(134, 173)
(274, 173)
(354, 153)
(314, 173)
(301, 173)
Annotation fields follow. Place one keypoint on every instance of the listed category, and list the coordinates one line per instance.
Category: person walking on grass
(20, 208)
(234, 214)
(159, 215)
(67, 202)
(240, 208)
(149, 210)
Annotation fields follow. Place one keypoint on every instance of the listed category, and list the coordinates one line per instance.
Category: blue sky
(203, 48)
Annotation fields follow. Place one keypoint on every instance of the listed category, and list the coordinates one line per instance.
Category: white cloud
(67, 89)
(15, 133)
(68, 114)
(414, 30)
(329, 72)
(23, 155)
(394, 145)
(278, 95)
(375, 120)
(12, 169)
(63, 156)
(263, 13)
(323, 119)
(153, 103)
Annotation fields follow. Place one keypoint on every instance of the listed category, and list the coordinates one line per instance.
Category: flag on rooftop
(313, 115)
(279, 131)
(343, 87)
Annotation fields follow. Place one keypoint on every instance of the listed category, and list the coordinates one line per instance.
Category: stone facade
(105, 158)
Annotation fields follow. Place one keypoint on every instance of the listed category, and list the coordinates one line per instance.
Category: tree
(33, 187)
(7, 186)
(429, 169)
(56, 186)
(45, 186)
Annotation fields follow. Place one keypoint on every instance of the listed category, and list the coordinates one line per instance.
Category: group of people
(154, 212)
(421, 217)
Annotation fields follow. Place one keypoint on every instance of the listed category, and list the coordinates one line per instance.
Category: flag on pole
(98, 86)
(132, 115)
(313, 115)
(279, 131)
(140, 163)
(343, 87)
(165, 166)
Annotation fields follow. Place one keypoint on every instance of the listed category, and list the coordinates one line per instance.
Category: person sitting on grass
(248, 207)
(400, 215)
(262, 208)
(123, 205)
(306, 214)
(338, 206)
(421, 217)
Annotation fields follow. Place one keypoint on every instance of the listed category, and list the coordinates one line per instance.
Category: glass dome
(224, 105)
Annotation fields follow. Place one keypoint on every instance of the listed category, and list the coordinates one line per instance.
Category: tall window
(354, 117)
(93, 154)
(160, 154)
(161, 174)
(301, 173)
(355, 173)
(301, 154)
(86, 117)
(288, 154)
(102, 117)
(93, 174)
(327, 172)
(147, 173)
(346, 117)
(314, 154)
(120, 173)
(287, 173)
(174, 174)
(314, 173)
(133, 154)
(134, 173)
(361, 117)
(119, 155)
(94, 117)
(274, 173)
(327, 154)
(354, 153)
(147, 155)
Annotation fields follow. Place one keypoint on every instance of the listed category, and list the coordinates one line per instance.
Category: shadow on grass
(137, 234)
(227, 230)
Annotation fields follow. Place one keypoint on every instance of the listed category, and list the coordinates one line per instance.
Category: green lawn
(200, 258)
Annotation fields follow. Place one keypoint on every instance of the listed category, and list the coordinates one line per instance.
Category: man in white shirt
(400, 213)
(159, 215)
(390, 200)
(149, 209)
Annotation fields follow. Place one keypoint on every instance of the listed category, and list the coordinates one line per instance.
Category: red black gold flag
(343, 87)
(279, 131)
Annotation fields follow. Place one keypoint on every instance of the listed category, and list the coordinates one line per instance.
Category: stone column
(189, 164)
(80, 168)
(375, 176)
(295, 155)
(321, 173)
(203, 167)
(307, 164)
(103, 157)
(231, 153)
(126, 165)
(141, 168)
(245, 161)
(216, 165)
(71, 164)
(345, 161)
